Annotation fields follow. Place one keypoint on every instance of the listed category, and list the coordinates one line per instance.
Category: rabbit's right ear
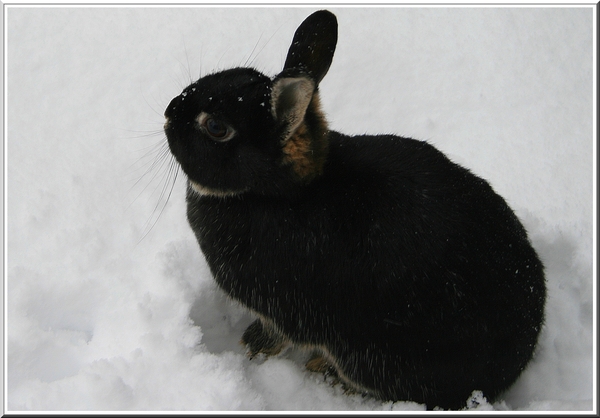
(313, 46)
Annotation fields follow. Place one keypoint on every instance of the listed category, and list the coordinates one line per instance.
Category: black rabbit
(403, 272)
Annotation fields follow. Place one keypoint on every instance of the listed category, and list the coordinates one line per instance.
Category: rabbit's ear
(289, 100)
(313, 46)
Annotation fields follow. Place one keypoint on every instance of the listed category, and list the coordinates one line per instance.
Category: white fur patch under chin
(207, 191)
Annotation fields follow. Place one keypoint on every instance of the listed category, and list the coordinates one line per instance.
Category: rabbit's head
(238, 130)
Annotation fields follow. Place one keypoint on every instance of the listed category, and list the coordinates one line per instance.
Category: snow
(110, 305)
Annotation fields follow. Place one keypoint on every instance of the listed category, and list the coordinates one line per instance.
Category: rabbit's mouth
(209, 191)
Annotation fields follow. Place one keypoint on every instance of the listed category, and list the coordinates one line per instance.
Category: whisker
(187, 59)
(160, 156)
(253, 49)
(145, 134)
(159, 162)
(171, 178)
(172, 172)
(157, 148)
(222, 55)
(266, 43)
(201, 59)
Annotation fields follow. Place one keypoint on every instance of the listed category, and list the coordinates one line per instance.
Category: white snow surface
(110, 305)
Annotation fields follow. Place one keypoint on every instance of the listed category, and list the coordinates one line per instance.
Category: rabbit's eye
(216, 129)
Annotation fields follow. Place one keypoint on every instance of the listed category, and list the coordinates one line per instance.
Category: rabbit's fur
(403, 272)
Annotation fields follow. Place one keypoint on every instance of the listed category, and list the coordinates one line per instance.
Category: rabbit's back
(395, 259)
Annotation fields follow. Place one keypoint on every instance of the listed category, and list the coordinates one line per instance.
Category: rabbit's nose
(172, 107)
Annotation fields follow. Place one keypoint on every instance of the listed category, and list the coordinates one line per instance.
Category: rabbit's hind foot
(317, 363)
(259, 338)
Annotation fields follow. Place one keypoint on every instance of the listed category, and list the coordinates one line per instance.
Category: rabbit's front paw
(260, 339)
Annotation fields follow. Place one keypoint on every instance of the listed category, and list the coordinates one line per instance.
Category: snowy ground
(102, 316)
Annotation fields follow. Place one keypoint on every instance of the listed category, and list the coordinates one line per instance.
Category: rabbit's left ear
(313, 46)
(289, 100)
(307, 62)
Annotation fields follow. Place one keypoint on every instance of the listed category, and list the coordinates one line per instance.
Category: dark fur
(405, 272)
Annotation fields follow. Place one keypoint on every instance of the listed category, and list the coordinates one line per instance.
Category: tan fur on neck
(303, 151)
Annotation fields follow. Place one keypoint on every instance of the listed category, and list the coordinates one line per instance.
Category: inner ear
(290, 98)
